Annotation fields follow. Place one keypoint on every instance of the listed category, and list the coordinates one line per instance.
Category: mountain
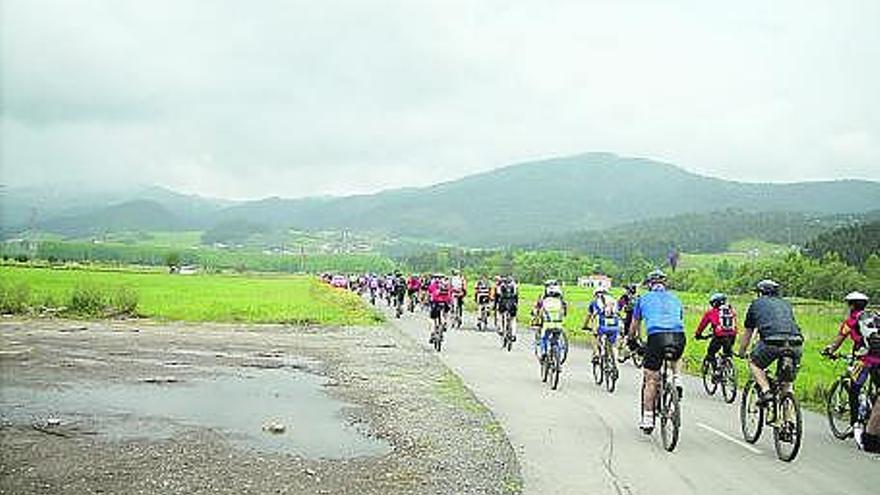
(80, 209)
(711, 232)
(530, 201)
(534, 200)
(138, 215)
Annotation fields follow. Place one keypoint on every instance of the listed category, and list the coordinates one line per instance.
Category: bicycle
(723, 373)
(667, 405)
(637, 354)
(604, 365)
(398, 306)
(551, 363)
(483, 316)
(782, 413)
(838, 407)
(411, 302)
(439, 328)
(456, 312)
(506, 331)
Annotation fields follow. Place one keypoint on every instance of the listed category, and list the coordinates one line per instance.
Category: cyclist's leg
(511, 313)
(594, 343)
(651, 375)
(614, 337)
(712, 350)
(761, 358)
(872, 428)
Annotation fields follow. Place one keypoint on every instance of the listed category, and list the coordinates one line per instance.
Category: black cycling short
(766, 352)
(438, 308)
(723, 344)
(508, 306)
(659, 345)
(483, 299)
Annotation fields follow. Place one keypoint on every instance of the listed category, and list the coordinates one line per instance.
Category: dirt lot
(431, 435)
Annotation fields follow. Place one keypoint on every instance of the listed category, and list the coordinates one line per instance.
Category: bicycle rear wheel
(670, 417)
(751, 416)
(556, 367)
(838, 411)
(610, 367)
(789, 429)
(728, 381)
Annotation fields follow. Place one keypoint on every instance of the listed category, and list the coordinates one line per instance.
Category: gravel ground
(441, 439)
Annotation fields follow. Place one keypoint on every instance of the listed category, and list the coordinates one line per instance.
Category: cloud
(297, 98)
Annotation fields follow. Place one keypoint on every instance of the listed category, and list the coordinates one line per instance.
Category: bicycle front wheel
(728, 381)
(708, 373)
(789, 429)
(838, 411)
(751, 415)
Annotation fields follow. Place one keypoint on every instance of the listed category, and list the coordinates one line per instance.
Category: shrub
(124, 301)
(87, 300)
(14, 298)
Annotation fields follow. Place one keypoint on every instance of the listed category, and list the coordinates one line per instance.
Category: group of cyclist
(661, 313)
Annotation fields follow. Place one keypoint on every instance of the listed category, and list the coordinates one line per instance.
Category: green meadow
(247, 298)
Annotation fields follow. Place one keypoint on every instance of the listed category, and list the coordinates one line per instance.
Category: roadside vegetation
(155, 294)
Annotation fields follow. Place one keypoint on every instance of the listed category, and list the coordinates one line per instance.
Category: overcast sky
(246, 99)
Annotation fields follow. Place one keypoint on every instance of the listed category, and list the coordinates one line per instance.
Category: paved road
(580, 439)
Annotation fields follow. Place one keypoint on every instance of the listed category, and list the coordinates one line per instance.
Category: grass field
(818, 320)
(223, 298)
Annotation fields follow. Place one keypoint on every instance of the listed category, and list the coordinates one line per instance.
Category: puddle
(238, 405)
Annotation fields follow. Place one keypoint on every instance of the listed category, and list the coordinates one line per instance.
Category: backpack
(869, 328)
(443, 288)
(609, 312)
(725, 317)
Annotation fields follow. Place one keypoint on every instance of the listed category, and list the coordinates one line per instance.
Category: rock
(274, 427)
(161, 379)
(51, 422)
(310, 472)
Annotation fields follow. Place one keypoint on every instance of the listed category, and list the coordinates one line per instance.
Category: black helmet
(631, 288)
(767, 287)
(717, 299)
(655, 277)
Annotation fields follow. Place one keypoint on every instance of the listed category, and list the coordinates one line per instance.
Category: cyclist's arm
(746, 340)
(703, 324)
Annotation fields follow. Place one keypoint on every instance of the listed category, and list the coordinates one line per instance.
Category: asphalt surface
(581, 439)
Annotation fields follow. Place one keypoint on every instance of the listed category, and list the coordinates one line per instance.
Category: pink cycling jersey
(849, 327)
(438, 296)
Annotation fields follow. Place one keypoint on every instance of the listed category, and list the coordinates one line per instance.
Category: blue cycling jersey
(661, 311)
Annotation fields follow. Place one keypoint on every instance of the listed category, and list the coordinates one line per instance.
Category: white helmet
(855, 296)
(600, 290)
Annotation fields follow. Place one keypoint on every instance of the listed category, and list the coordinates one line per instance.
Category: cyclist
(663, 314)
(482, 295)
(773, 318)
(722, 317)
(440, 294)
(604, 309)
(508, 301)
(459, 290)
(495, 298)
(862, 329)
(413, 287)
(550, 310)
(399, 289)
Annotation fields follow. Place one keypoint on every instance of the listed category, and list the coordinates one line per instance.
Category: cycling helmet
(631, 288)
(717, 299)
(455, 272)
(855, 296)
(553, 291)
(767, 287)
(600, 290)
(857, 300)
(655, 277)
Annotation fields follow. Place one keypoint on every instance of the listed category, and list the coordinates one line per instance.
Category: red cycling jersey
(849, 328)
(713, 317)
